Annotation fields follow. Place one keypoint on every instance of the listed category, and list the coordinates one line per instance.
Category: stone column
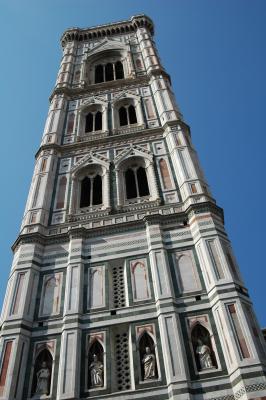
(169, 325)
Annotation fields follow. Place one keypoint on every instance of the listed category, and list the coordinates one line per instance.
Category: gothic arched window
(93, 122)
(109, 72)
(119, 71)
(91, 191)
(127, 115)
(136, 182)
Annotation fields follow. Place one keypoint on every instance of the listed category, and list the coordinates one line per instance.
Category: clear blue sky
(215, 54)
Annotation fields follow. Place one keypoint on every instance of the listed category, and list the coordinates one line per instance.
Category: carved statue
(204, 353)
(149, 364)
(43, 380)
(96, 371)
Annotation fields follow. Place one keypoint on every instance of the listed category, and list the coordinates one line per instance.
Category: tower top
(114, 28)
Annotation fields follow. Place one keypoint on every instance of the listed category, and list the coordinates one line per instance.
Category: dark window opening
(89, 123)
(98, 121)
(142, 182)
(109, 72)
(119, 71)
(131, 189)
(132, 115)
(85, 192)
(123, 116)
(99, 74)
(97, 190)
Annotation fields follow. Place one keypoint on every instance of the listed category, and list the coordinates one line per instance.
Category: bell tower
(124, 284)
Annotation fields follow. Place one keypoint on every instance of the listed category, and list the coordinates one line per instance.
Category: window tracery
(93, 121)
(127, 115)
(89, 186)
(91, 190)
(109, 71)
(135, 175)
(92, 117)
(136, 182)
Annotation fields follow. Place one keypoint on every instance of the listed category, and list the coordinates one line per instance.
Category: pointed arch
(200, 336)
(148, 366)
(42, 375)
(140, 280)
(96, 376)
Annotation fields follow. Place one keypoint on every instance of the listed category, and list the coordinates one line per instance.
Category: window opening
(109, 72)
(132, 115)
(91, 191)
(136, 183)
(123, 116)
(142, 182)
(99, 74)
(89, 123)
(127, 115)
(93, 122)
(119, 71)
(97, 190)
(85, 192)
(131, 187)
(98, 121)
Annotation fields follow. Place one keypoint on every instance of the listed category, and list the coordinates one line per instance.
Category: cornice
(154, 216)
(107, 30)
(100, 88)
(107, 140)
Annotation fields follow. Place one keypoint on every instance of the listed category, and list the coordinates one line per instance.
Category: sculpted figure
(148, 362)
(96, 371)
(43, 380)
(204, 354)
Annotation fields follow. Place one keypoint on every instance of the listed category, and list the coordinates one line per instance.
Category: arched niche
(147, 356)
(42, 375)
(96, 378)
(203, 348)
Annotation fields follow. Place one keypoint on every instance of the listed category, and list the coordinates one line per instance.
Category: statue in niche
(204, 354)
(43, 380)
(96, 372)
(149, 364)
